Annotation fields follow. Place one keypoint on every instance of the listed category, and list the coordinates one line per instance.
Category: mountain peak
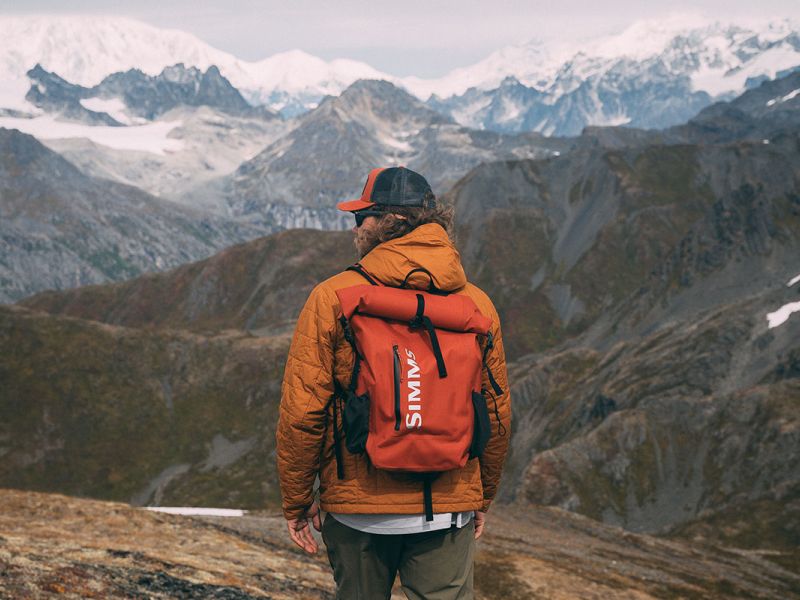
(178, 73)
(368, 98)
(372, 86)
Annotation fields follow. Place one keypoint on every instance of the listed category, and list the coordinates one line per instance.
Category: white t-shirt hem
(403, 524)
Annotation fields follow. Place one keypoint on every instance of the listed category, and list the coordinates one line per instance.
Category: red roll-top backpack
(414, 403)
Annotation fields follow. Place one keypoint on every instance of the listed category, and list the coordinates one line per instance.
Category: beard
(364, 241)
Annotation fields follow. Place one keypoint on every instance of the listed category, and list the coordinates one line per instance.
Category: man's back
(319, 348)
(401, 237)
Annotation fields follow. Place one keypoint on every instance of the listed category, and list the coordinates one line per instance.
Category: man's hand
(300, 532)
(480, 521)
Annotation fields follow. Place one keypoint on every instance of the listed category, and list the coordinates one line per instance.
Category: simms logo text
(414, 412)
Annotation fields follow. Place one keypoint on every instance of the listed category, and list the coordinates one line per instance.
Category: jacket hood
(427, 247)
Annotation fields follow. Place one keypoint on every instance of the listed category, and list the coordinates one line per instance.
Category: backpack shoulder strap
(431, 286)
(361, 271)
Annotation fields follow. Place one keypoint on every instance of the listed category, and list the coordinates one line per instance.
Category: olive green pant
(435, 565)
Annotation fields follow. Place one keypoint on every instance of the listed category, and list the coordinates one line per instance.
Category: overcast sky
(419, 37)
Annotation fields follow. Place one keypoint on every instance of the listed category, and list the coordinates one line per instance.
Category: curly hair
(400, 220)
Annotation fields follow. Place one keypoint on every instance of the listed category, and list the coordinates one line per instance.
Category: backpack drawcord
(489, 345)
(501, 429)
(337, 442)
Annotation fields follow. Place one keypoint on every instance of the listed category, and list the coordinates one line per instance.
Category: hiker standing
(395, 394)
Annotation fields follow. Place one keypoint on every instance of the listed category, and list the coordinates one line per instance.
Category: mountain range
(652, 74)
(230, 164)
(234, 162)
(132, 97)
(370, 123)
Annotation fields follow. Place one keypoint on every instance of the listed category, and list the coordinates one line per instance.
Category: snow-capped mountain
(718, 56)
(652, 75)
(84, 50)
(132, 97)
(160, 133)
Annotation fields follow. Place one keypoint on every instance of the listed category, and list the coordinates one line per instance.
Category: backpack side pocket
(482, 431)
(356, 422)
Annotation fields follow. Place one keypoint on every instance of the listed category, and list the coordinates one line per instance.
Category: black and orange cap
(392, 186)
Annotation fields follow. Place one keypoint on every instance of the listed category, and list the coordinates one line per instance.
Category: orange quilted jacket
(319, 353)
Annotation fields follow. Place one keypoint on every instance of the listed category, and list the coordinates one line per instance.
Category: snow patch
(785, 98)
(780, 316)
(729, 76)
(144, 138)
(194, 511)
(645, 38)
(12, 96)
(113, 107)
(793, 280)
(394, 143)
(609, 120)
(509, 110)
(469, 114)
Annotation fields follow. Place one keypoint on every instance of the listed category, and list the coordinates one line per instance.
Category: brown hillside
(258, 285)
(52, 545)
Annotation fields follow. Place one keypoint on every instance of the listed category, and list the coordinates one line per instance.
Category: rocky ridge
(138, 97)
(650, 389)
(608, 221)
(690, 425)
(759, 114)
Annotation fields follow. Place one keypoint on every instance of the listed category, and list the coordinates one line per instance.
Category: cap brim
(353, 205)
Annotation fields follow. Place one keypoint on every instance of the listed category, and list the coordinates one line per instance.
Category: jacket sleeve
(307, 387)
(495, 453)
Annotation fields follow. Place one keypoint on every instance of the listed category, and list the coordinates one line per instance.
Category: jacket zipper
(396, 388)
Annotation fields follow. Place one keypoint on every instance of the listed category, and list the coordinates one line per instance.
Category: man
(375, 524)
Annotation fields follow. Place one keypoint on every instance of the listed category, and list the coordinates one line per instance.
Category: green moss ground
(84, 411)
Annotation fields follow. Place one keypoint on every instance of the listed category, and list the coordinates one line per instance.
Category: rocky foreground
(53, 545)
